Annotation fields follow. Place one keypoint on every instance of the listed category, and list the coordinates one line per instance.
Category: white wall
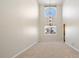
(71, 19)
(18, 25)
(57, 21)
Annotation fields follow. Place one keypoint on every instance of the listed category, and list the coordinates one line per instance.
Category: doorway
(64, 32)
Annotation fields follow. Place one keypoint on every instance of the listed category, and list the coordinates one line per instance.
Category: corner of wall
(70, 45)
(24, 50)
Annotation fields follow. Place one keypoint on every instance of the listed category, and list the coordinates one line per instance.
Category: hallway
(48, 50)
(25, 22)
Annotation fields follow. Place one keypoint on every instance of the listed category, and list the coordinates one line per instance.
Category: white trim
(24, 50)
(72, 47)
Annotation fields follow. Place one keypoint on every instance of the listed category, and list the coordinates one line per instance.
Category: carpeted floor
(50, 50)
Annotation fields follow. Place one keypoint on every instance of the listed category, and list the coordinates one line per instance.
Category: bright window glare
(50, 11)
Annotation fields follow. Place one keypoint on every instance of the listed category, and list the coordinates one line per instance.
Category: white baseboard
(72, 47)
(24, 50)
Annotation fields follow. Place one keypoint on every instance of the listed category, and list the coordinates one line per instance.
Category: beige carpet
(50, 50)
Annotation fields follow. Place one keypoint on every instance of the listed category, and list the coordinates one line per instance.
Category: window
(50, 12)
